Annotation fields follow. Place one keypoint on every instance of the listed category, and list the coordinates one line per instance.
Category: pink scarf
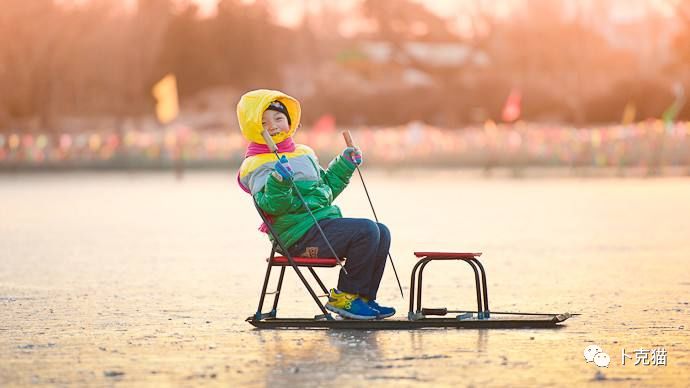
(287, 145)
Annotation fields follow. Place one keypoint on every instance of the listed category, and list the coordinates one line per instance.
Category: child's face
(274, 122)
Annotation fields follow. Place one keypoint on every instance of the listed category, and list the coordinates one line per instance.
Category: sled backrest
(278, 243)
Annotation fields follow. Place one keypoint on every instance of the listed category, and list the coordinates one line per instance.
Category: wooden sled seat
(448, 255)
(306, 261)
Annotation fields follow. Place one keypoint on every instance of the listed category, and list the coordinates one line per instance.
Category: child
(363, 242)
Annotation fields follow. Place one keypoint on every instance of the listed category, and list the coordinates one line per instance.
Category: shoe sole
(347, 314)
(381, 316)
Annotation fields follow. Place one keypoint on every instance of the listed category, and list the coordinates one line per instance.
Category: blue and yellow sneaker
(384, 312)
(349, 306)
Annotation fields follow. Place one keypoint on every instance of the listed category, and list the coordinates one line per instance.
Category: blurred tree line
(99, 59)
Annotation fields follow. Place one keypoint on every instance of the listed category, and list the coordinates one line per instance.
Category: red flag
(512, 110)
(325, 123)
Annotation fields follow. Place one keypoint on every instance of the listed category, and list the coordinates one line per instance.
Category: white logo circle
(592, 351)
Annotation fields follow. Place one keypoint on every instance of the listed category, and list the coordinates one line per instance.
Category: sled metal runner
(418, 317)
(495, 322)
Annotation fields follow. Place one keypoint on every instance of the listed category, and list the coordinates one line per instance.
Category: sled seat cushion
(306, 261)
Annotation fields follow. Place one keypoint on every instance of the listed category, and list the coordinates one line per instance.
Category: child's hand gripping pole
(350, 143)
(351, 153)
(272, 146)
(283, 170)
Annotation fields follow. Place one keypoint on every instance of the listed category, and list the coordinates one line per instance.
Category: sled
(418, 317)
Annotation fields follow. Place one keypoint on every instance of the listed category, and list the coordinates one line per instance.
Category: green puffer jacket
(290, 220)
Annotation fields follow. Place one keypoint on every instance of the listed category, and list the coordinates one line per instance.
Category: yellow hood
(252, 106)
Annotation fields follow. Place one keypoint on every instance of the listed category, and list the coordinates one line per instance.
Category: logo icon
(602, 360)
(593, 353)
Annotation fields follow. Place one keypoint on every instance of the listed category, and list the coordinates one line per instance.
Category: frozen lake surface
(142, 279)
